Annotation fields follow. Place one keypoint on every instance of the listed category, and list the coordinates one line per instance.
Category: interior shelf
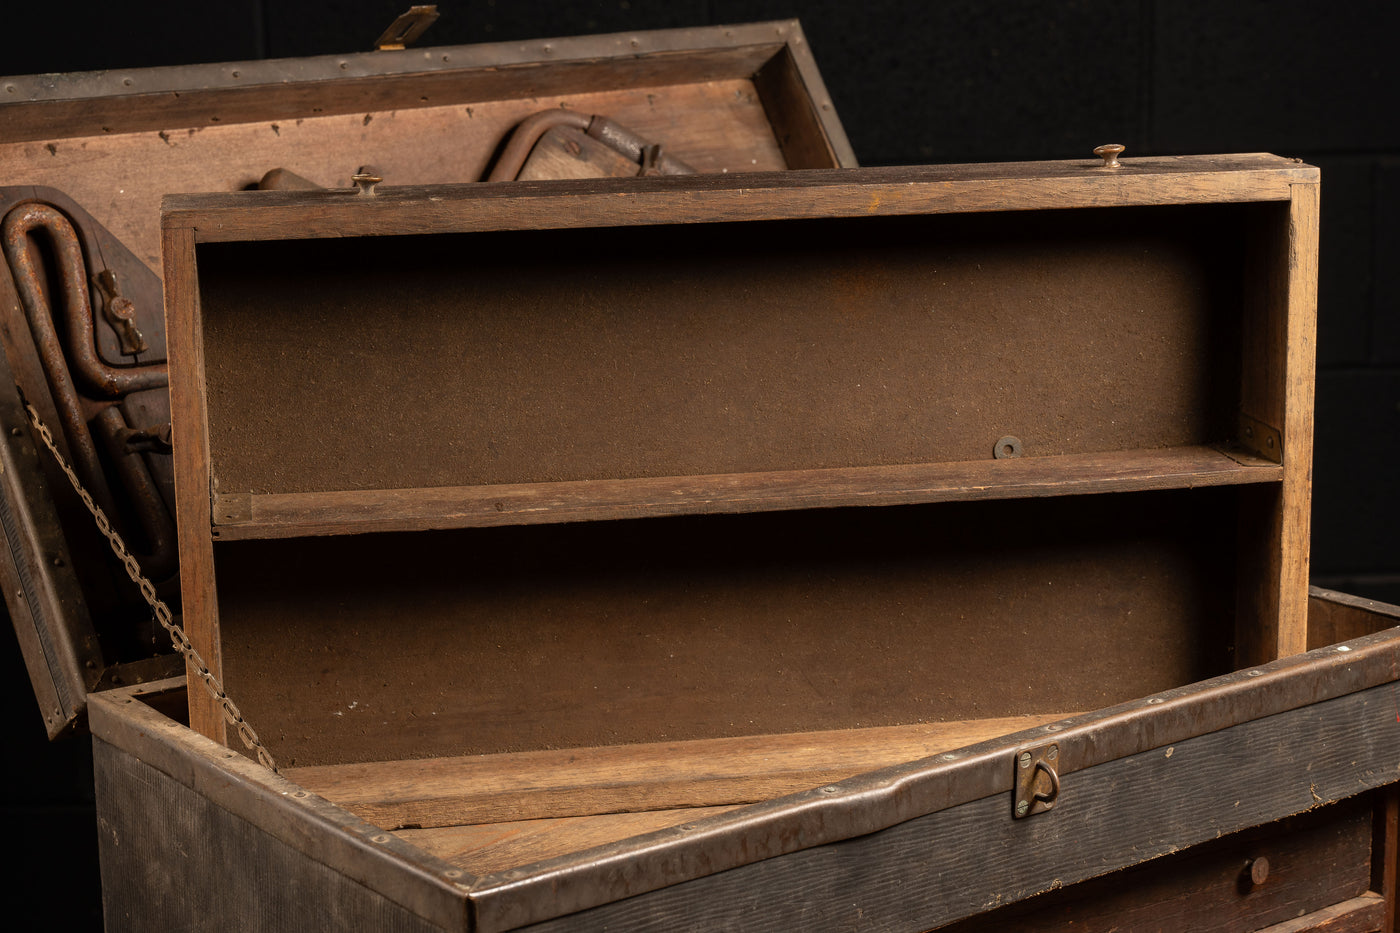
(284, 515)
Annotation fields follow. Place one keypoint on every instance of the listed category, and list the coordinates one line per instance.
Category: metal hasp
(1037, 782)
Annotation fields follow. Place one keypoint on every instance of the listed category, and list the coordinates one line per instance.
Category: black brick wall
(928, 81)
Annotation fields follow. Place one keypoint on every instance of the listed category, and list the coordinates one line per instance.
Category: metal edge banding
(969, 858)
(883, 799)
(278, 215)
(281, 72)
(367, 854)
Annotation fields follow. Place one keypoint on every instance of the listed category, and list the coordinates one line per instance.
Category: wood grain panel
(630, 778)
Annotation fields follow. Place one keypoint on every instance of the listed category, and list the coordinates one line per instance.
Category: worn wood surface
(792, 97)
(1364, 914)
(717, 126)
(158, 98)
(762, 196)
(1316, 861)
(629, 778)
(492, 847)
(967, 859)
(1334, 617)
(274, 515)
(190, 439)
(476, 641)
(117, 141)
(1277, 389)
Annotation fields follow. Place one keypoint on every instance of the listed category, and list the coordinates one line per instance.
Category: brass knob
(365, 179)
(1109, 154)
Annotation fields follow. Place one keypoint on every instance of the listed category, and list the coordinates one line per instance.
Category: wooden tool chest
(872, 549)
(98, 151)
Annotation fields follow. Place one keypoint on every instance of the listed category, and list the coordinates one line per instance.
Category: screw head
(1053, 753)
(1022, 807)
(1025, 759)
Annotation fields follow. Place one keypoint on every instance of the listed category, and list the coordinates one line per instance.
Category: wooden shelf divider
(297, 514)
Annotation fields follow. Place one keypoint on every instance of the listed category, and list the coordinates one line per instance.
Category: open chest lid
(96, 152)
(591, 468)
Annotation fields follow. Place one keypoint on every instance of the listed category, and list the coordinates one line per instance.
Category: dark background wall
(930, 81)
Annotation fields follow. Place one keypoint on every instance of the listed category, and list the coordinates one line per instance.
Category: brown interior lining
(378, 647)
(652, 351)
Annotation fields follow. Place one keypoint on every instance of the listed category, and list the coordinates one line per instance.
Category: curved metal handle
(1054, 783)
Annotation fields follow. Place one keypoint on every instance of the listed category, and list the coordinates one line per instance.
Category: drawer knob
(1109, 154)
(1256, 872)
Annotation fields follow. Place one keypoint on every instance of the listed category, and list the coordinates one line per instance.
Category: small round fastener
(1254, 874)
(1007, 448)
(1109, 154)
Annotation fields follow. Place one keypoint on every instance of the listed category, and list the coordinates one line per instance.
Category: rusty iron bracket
(1037, 782)
(120, 313)
(1260, 438)
(405, 30)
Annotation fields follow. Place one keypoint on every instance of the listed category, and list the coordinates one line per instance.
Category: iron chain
(158, 606)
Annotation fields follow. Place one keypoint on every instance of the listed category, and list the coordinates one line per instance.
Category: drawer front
(1318, 862)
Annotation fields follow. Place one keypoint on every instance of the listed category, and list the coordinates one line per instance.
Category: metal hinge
(1037, 784)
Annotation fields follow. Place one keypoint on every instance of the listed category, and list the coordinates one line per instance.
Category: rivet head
(1258, 870)
(1109, 153)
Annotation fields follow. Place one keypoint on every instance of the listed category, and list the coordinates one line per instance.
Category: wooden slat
(1363, 914)
(1279, 370)
(135, 100)
(490, 847)
(241, 516)
(185, 337)
(630, 778)
(763, 196)
(1300, 372)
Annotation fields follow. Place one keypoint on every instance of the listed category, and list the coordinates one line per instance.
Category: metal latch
(1037, 782)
